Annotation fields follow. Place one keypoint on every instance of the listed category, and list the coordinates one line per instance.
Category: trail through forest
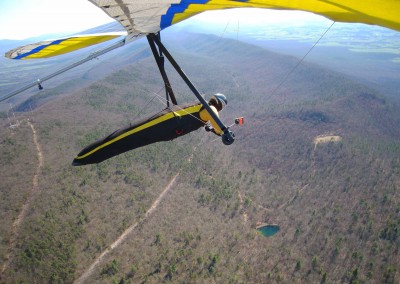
(126, 233)
(24, 209)
(244, 214)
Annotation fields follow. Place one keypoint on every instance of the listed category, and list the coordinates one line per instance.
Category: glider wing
(144, 16)
(50, 48)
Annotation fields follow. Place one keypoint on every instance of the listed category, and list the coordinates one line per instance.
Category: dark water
(268, 230)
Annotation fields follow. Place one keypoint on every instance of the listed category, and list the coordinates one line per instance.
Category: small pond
(268, 230)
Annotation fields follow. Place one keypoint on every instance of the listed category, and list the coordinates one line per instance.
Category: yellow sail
(50, 48)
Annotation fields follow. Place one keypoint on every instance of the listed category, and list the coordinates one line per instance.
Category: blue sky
(20, 19)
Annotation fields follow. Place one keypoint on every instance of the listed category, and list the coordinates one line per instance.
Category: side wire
(163, 100)
(301, 60)
(149, 102)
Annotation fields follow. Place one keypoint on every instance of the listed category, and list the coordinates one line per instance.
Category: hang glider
(148, 17)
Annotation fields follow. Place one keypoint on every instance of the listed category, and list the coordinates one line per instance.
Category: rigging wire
(291, 70)
(298, 63)
(162, 99)
(148, 102)
(301, 60)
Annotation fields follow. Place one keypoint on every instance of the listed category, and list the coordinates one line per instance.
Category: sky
(255, 17)
(21, 19)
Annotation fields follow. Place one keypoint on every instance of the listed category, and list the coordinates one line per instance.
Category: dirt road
(24, 209)
(125, 234)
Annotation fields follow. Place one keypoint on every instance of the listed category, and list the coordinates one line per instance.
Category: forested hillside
(319, 155)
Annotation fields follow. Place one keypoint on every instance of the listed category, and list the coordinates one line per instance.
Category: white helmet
(218, 101)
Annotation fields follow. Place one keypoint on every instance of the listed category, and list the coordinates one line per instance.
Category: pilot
(172, 122)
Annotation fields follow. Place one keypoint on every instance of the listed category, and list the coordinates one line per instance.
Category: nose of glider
(76, 162)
